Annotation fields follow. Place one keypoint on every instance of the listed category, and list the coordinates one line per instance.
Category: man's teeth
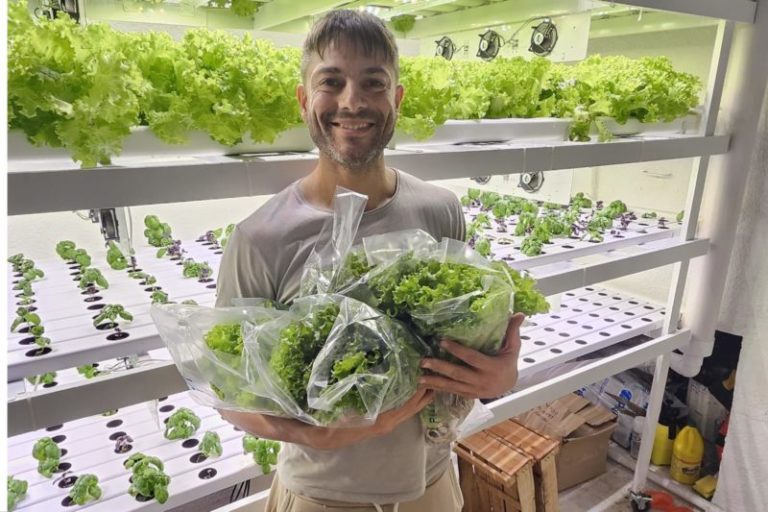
(353, 126)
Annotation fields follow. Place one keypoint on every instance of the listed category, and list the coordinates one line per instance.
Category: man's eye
(331, 82)
(375, 83)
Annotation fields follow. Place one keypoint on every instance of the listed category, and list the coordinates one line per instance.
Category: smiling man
(349, 99)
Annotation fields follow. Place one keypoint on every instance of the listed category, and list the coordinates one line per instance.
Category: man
(349, 99)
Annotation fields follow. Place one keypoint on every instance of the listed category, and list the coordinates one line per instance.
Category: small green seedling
(148, 478)
(115, 257)
(680, 216)
(24, 316)
(649, 215)
(159, 297)
(92, 279)
(45, 378)
(158, 233)
(483, 247)
(86, 488)
(47, 453)
(211, 445)
(264, 451)
(88, 370)
(65, 249)
(17, 489)
(182, 424)
(82, 258)
(112, 312)
(198, 270)
(15, 261)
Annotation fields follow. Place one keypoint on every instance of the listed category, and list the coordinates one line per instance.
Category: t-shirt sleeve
(459, 224)
(243, 272)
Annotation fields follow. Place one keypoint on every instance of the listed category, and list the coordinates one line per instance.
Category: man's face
(350, 102)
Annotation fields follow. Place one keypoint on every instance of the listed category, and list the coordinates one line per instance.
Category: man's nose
(352, 98)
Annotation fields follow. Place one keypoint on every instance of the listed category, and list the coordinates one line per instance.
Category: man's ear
(301, 96)
(399, 92)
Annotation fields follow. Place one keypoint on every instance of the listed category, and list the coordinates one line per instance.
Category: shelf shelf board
(218, 177)
(732, 10)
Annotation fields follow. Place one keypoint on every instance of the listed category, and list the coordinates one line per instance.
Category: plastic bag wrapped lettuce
(207, 346)
(332, 360)
(442, 291)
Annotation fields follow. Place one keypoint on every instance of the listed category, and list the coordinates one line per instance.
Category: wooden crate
(543, 449)
(495, 476)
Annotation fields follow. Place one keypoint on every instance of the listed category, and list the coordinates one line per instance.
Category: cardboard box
(584, 429)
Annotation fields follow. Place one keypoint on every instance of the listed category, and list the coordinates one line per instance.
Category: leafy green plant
(158, 233)
(581, 201)
(86, 488)
(148, 478)
(17, 489)
(16, 261)
(531, 246)
(210, 446)
(680, 215)
(403, 23)
(159, 297)
(89, 371)
(47, 453)
(112, 313)
(202, 270)
(92, 279)
(227, 233)
(182, 424)
(264, 451)
(649, 215)
(115, 257)
(45, 378)
(24, 316)
(483, 247)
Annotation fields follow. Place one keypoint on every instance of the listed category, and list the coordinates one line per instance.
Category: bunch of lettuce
(430, 89)
(334, 360)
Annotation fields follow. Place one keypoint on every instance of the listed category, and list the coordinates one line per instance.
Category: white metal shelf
(733, 10)
(90, 446)
(587, 320)
(217, 177)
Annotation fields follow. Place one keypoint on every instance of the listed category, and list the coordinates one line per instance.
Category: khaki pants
(444, 495)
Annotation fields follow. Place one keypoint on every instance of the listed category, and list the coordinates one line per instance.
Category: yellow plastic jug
(687, 453)
(662, 446)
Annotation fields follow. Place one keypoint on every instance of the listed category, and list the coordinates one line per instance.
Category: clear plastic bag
(207, 346)
(322, 270)
(335, 361)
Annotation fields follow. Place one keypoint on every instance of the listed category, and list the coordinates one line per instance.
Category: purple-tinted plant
(662, 223)
(598, 205)
(624, 221)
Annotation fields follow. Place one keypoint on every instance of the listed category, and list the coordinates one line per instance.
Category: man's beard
(358, 160)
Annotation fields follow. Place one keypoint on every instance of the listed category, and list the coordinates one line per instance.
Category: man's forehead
(345, 56)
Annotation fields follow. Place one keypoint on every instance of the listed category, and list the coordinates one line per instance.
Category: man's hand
(483, 376)
(326, 438)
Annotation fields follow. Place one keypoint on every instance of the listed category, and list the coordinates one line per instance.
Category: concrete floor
(590, 494)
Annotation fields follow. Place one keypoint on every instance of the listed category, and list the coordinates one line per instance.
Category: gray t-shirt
(265, 257)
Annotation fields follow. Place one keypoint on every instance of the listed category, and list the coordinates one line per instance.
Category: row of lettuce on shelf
(84, 87)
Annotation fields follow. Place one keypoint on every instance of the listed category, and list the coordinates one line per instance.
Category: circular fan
(543, 38)
(531, 181)
(490, 44)
(445, 48)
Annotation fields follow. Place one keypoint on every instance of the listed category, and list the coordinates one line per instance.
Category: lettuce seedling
(45, 378)
(86, 488)
(581, 201)
(211, 445)
(158, 233)
(17, 489)
(680, 215)
(47, 453)
(148, 478)
(25, 316)
(483, 247)
(159, 297)
(195, 269)
(112, 312)
(15, 261)
(227, 233)
(88, 371)
(264, 451)
(649, 215)
(531, 246)
(182, 424)
(91, 279)
(115, 257)
(65, 249)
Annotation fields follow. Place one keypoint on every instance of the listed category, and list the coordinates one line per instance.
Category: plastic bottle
(664, 438)
(637, 435)
(687, 453)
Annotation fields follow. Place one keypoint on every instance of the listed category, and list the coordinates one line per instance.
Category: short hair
(366, 31)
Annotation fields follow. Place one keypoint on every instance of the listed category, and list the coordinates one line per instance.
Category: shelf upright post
(715, 84)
